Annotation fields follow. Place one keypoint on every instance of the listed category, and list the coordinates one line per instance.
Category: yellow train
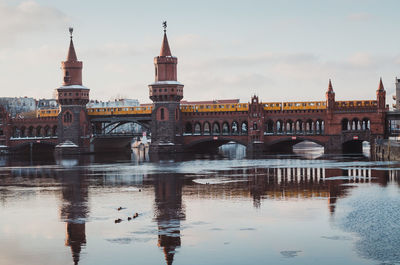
(356, 104)
(272, 105)
(120, 111)
(215, 107)
(268, 106)
(42, 113)
(309, 105)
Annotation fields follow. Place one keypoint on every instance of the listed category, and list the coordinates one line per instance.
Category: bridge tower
(166, 93)
(255, 126)
(381, 97)
(72, 97)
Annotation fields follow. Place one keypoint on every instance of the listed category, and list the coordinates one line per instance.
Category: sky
(279, 50)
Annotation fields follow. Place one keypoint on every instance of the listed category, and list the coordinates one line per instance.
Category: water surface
(203, 209)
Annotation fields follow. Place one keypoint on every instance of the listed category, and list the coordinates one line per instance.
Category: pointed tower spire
(165, 50)
(330, 88)
(381, 88)
(71, 51)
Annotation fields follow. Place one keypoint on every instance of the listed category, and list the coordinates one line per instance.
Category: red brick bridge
(177, 126)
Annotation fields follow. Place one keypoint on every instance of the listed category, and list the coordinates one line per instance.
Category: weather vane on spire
(71, 29)
(164, 24)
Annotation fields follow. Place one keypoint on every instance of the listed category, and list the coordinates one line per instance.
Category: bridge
(179, 126)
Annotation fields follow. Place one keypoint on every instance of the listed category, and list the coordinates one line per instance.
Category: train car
(356, 104)
(120, 111)
(272, 105)
(307, 105)
(215, 107)
(41, 113)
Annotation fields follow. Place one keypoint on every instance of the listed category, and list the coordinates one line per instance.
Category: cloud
(26, 18)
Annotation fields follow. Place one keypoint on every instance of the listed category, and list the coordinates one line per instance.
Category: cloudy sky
(280, 50)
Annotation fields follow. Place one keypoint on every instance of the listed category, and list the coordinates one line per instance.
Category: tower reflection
(168, 212)
(74, 210)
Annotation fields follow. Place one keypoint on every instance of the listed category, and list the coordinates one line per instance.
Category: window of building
(162, 115)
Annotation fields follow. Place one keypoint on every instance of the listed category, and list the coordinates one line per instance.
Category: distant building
(127, 127)
(113, 103)
(16, 105)
(47, 104)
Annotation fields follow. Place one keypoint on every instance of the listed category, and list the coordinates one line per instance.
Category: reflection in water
(74, 209)
(359, 196)
(168, 213)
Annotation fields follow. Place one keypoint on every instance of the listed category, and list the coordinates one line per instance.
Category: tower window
(67, 117)
(156, 71)
(162, 115)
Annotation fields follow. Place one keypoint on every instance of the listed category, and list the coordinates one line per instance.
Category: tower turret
(381, 96)
(165, 86)
(166, 93)
(72, 97)
(330, 97)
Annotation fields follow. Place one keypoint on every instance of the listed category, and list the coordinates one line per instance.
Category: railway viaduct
(339, 126)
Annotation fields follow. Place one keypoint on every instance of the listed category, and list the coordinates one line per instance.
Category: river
(304, 208)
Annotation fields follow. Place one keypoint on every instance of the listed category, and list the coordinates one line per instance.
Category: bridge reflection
(257, 184)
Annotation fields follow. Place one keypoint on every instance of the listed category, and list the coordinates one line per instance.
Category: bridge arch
(206, 128)
(216, 128)
(235, 128)
(244, 128)
(269, 126)
(197, 128)
(212, 144)
(188, 128)
(285, 144)
(225, 128)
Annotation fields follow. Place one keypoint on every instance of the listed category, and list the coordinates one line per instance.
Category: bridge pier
(254, 148)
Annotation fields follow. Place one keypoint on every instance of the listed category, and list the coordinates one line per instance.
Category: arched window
(206, 128)
(235, 128)
(197, 129)
(225, 128)
(244, 128)
(216, 128)
(188, 128)
(67, 117)
(162, 114)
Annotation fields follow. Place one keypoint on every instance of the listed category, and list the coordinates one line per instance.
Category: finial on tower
(164, 24)
(71, 30)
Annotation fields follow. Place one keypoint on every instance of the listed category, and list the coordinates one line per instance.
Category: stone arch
(206, 128)
(188, 128)
(47, 131)
(319, 126)
(289, 126)
(197, 128)
(39, 131)
(235, 127)
(23, 131)
(225, 128)
(54, 129)
(216, 128)
(309, 126)
(30, 131)
(299, 126)
(16, 132)
(279, 126)
(269, 126)
(244, 128)
(366, 124)
(355, 124)
(345, 124)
